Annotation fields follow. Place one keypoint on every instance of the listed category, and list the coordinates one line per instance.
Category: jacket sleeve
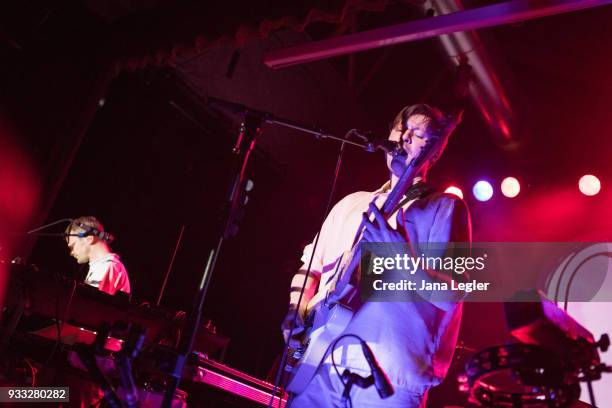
(451, 225)
(452, 221)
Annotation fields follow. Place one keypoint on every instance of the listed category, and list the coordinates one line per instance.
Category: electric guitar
(327, 314)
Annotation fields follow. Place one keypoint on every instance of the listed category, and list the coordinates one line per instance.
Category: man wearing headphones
(88, 242)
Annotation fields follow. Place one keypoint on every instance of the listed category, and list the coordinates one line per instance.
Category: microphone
(388, 146)
(373, 143)
(381, 382)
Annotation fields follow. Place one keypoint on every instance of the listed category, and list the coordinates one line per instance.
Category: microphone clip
(372, 143)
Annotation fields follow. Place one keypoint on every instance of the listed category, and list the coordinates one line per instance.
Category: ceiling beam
(472, 19)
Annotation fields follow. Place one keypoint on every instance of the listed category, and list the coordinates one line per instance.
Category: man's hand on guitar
(379, 230)
(297, 325)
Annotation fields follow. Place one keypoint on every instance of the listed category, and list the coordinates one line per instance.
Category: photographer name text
(404, 284)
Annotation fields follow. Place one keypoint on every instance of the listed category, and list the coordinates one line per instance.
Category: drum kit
(552, 355)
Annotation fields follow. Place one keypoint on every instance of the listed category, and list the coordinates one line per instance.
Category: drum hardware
(555, 353)
(519, 375)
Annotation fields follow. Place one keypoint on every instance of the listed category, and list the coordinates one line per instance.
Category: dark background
(113, 122)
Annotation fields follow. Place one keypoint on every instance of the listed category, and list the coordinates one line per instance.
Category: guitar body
(329, 322)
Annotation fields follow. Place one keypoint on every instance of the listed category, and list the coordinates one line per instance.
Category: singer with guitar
(412, 342)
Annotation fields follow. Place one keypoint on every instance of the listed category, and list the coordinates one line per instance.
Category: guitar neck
(394, 197)
(397, 193)
(342, 281)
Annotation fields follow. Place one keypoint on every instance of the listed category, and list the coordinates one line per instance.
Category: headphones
(91, 231)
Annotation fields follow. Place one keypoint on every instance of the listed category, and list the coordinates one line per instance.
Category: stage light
(482, 190)
(510, 187)
(589, 185)
(454, 190)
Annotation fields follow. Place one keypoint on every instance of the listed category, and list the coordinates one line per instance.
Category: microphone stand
(42, 227)
(52, 234)
(250, 129)
(244, 145)
(267, 117)
(36, 231)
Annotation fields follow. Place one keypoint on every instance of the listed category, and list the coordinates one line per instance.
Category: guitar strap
(415, 191)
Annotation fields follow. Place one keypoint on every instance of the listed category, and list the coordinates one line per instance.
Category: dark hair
(437, 120)
(440, 126)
